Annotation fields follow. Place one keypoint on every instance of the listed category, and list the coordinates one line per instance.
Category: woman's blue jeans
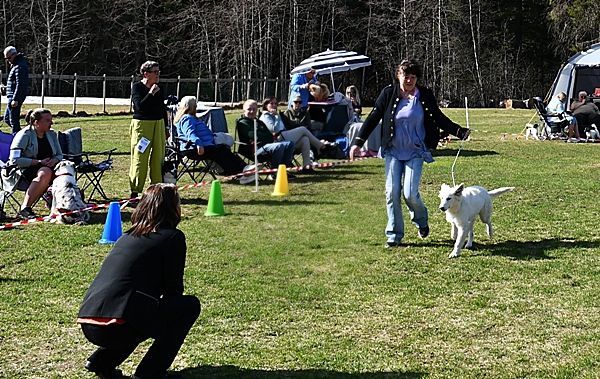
(396, 187)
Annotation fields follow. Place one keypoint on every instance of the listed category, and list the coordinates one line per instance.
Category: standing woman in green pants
(147, 129)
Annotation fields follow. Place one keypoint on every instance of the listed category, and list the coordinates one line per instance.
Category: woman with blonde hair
(34, 152)
(556, 112)
(198, 141)
(352, 94)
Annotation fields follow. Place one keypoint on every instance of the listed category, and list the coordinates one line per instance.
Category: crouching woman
(138, 292)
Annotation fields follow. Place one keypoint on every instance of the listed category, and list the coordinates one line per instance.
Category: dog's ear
(459, 189)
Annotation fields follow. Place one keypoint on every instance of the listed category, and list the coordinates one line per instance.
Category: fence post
(43, 87)
(232, 89)
(198, 90)
(248, 88)
(75, 94)
(277, 87)
(131, 98)
(178, 85)
(216, 88)
(104, 93)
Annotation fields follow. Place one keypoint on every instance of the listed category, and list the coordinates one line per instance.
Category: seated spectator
(302, 137)
(33, 154)
(320, 92)
(195, 136)
(556, 112)
(352, 94)
(281, 151)
(585, 111)
(296, 116)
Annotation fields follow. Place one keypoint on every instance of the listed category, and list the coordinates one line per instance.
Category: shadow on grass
(518, 250)
(242, 373)
(463, 152)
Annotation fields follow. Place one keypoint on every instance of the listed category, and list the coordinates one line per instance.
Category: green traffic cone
(215, 201)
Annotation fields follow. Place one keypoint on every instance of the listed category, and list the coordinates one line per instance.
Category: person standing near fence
(147, 129)
(17, 84)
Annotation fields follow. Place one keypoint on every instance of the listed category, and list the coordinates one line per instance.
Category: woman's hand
(154, 89)
(353, 150)
(200, 149)
(49, 162)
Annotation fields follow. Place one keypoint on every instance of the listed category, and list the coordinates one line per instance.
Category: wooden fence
(208, 90)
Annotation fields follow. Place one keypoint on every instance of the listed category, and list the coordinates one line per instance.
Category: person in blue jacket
(16, 87)
(300, 86)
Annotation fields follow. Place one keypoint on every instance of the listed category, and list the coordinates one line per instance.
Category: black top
(44, 148)
(134, 276)
(384, 111)
(146, 106)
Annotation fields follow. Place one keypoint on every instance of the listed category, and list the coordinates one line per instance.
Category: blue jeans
(395, 187)
(12, 116)
(281, 152)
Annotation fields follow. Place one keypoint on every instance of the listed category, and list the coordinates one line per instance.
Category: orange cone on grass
(281, 183)
(215, 201)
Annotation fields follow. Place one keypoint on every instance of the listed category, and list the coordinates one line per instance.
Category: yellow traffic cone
(215, 201)
(281, 183)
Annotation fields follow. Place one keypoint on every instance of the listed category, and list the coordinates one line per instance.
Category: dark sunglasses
(297, 102)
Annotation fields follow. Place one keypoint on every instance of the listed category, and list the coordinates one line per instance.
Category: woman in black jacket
(411, 123)
(138, 292)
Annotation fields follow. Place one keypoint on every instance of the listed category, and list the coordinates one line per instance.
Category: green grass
(301, 287)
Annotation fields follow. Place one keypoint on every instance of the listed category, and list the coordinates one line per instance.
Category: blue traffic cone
(113, 229)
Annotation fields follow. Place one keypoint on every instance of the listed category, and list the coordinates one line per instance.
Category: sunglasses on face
(297, 102)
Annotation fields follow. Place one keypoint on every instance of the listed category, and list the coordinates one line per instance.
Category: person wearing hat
(16, 87)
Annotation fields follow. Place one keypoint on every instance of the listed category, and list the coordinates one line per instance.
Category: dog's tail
(500, 191)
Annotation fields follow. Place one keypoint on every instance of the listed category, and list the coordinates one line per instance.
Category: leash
(461, 143)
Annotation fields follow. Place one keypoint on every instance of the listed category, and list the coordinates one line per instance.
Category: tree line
(481, 49)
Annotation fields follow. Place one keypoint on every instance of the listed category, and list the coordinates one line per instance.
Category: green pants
(153, 156)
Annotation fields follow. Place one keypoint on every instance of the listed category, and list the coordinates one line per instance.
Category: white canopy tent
(580, 73)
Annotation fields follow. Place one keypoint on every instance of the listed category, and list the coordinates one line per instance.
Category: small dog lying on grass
(462, 205)
(66, 196)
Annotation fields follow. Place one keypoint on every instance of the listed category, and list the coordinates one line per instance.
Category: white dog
(66, 196)
(532, 131)
(591, 133)
(462, 205)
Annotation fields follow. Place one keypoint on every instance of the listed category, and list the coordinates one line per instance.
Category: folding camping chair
(7, 192)
(550, 129)
(186, 161)
(245, 150)
(89, 174)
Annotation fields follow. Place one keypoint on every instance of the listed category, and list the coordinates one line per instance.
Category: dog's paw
(468, 245)
(454, 254)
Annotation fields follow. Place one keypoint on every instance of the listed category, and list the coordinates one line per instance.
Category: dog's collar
(65, 174)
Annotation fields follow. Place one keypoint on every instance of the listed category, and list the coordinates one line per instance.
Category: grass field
(301, 286)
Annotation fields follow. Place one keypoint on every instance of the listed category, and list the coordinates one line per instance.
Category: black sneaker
(291, 176)
(390, 244)
(424, 232)
(103, 373)
(27, 214)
